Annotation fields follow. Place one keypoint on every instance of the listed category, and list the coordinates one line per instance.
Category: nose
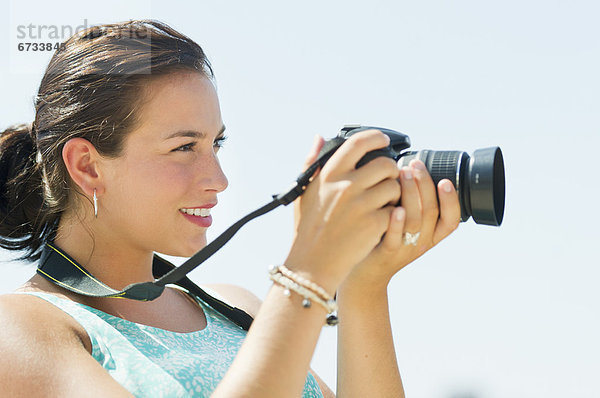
(214, 178)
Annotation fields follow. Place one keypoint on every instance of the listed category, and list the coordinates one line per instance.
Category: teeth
(196, 212)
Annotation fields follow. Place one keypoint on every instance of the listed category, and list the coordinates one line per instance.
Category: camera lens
(478, 179)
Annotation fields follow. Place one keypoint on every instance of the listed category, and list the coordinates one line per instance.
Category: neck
(111, 259)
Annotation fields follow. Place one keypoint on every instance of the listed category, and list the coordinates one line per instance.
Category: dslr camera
(478, 179)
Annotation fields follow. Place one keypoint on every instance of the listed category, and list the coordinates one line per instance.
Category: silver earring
(95, 204)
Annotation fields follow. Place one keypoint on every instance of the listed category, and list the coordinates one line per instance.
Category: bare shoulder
(44, 352)
(236, 296)
(32, 333)
(30, 321)
(34, 317)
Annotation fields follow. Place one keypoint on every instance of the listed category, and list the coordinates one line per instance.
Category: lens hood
(487, 186)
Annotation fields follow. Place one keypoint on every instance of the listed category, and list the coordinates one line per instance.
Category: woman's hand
(344, 211)
(419, 214)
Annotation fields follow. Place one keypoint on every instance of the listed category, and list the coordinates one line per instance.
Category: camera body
(478, 179)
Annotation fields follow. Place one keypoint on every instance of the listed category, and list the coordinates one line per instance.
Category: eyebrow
(192, 134)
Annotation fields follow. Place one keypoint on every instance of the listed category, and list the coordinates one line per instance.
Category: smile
(198, 212)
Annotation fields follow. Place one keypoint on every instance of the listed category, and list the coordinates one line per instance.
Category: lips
(198, 211)
(198, 215)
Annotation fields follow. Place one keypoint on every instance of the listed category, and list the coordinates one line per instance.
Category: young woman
(120, 162)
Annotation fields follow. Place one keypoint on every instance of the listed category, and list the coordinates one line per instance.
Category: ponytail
(22, 221)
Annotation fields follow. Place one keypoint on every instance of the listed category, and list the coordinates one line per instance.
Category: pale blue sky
(496, 312)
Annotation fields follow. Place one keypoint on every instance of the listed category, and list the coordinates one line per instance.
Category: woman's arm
(344, 214)
(367, 364)
(44, 354)
(275, 357)
(245, 300)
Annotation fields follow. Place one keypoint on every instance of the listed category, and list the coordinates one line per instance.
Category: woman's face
(169, 168)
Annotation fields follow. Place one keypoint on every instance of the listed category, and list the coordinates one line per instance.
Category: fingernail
(407, 173)
(313, 150)
(417, 164)
(447, 187)
(316, 139)
(400, 214)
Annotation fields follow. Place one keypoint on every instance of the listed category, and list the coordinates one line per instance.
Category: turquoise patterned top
(152, 363)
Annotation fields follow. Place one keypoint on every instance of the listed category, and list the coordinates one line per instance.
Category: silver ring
(411, 239)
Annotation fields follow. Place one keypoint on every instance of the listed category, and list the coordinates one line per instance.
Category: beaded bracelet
(291, 285)
(304, 282)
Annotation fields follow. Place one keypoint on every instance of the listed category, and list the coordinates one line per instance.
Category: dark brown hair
(93, 88)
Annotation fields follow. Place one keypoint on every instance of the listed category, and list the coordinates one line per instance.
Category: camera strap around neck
(59, 268)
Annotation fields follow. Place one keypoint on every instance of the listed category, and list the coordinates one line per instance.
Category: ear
(82, 162)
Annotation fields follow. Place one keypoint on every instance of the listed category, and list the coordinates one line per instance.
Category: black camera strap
(59, 268)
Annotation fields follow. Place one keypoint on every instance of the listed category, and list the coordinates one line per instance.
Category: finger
(383, 217)
(387, 192)
(410, 200)
(428, 197)
(378, 222)
(355, 147)
(375, 171)
(317, 144)
(394, 236)
(449, 211)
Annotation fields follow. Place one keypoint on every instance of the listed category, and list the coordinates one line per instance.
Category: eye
(185, 148)
(220, 141)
